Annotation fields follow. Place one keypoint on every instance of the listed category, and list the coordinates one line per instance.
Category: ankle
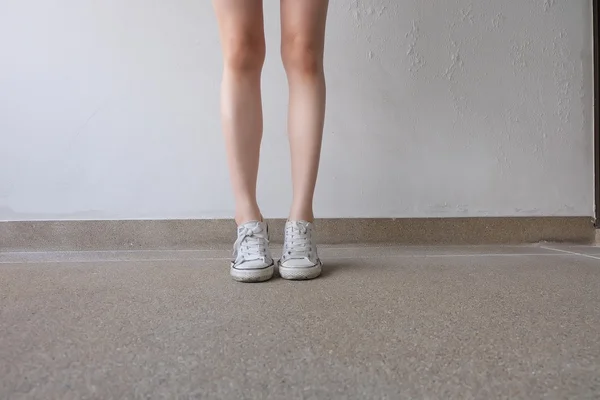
(241, 220)
(307, 216)
(243, 216)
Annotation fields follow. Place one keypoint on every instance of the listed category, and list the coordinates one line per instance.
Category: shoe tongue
(255, 226)
(301, 223)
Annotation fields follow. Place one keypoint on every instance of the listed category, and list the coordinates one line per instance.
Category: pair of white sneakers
(252, 257)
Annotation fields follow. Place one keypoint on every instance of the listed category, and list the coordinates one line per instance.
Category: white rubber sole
(300, 273)
(252, 275)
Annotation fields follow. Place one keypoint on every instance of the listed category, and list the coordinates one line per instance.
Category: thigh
(239, 20)
(304, 20)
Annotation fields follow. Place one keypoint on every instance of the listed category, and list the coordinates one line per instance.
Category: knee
(302, 57)
(244, 53)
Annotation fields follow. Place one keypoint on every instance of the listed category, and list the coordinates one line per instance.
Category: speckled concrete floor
(382, 323)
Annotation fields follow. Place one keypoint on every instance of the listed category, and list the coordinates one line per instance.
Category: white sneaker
(300, 259)
(252, 258)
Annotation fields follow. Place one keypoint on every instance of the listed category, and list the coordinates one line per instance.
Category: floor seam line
(223, 250)
(399, 256)
(571, 252)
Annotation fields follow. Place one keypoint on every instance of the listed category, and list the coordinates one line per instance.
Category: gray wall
(109, 110)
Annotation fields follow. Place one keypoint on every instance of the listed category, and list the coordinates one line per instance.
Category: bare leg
(303, 36)
(242, 39)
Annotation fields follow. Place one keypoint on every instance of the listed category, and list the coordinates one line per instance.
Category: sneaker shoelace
(250, 245)
(297, 241)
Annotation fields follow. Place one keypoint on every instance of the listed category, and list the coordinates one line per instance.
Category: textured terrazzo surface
(193, 234)
(383, 322)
